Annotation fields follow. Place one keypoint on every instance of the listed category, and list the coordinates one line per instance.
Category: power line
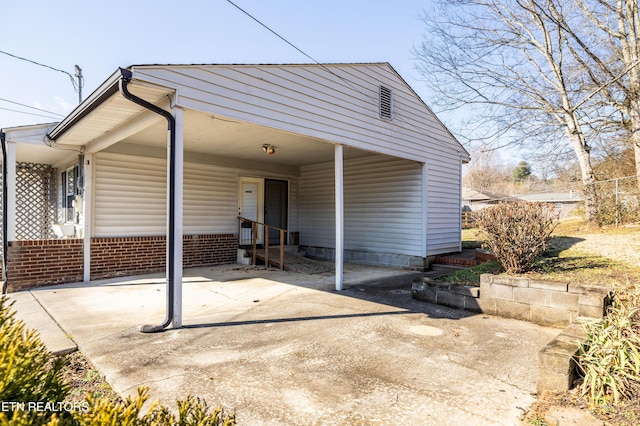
(347, 82)
(29, 113)
(77, 86)
(271, 31)
(27, 106)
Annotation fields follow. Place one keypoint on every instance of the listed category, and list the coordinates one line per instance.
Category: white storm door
(250, 204)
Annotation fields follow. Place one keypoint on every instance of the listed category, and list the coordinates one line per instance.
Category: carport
(233, 124)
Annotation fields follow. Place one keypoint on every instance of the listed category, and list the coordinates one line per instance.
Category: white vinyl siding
(130, 197)
(336, 103)
(443, 207)
(210, 199)
(340, 104)
(382, 205)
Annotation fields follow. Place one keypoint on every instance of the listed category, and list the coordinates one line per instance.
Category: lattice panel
(35, 201)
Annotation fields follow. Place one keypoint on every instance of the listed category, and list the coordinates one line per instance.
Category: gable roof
(333, 102)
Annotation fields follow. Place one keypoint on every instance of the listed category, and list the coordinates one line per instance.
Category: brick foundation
(205, 250)
(123, 256)
(40, 263)
(36, 263)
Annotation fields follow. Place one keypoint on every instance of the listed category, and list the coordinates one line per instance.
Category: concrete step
(439, 271)
(449, 269)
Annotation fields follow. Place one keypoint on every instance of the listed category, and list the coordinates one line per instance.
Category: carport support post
(11, 191)
(178, 114)
(339, 180)
(87, 214)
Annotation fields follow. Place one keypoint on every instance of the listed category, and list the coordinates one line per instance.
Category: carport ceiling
(212, 135)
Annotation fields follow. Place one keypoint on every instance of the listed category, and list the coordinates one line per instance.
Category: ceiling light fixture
(269, 149)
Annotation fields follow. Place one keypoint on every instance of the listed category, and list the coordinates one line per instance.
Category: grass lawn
(575, 254)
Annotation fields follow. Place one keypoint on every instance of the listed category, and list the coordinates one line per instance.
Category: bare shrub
(516, 233)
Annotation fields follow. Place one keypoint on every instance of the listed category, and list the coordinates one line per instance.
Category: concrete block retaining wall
(548, 303)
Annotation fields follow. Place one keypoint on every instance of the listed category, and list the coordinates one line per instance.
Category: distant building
(565, 202)
(475, 199)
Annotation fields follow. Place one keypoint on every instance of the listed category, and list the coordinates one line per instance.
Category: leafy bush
(610, 357)
(28, 372)
(32, 375)
(191, 411)
(516, 233)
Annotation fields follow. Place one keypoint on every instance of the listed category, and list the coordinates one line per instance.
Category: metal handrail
(254, 239)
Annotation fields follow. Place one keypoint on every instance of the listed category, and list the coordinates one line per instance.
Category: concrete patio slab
(29, 310)
(284, 348)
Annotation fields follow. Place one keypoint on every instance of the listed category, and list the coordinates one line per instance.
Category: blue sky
(101, 36)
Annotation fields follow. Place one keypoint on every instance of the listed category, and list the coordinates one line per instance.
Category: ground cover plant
(34, 389)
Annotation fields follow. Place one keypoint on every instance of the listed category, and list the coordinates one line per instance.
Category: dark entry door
(276, 198)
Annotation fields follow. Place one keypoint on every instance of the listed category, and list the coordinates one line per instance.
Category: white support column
(87, 214)
(339, 192)
(11, 191)
(178, 114)
(425, 207)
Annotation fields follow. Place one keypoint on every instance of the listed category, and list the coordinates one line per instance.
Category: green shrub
(516, 233)
(191, 411)
(28, 372)
(610, 357)
(31, 375)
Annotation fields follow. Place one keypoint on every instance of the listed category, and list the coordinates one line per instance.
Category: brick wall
(123, 256)
(205, 250)
(35, 263)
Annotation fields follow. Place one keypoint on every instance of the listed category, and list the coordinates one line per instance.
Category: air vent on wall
(386, 103)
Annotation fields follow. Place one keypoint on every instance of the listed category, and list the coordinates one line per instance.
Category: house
(566, 203)
(475, 199)
(345, 157)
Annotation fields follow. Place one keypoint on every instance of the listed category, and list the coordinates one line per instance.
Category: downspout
(124, 81)
(5, 210)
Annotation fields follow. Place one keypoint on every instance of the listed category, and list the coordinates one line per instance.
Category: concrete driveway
(282, 348)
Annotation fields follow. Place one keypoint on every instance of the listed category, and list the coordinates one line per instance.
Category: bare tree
(610, 57)
(483, 172)
(512, 64)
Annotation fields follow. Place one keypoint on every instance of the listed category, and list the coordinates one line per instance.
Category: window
(70, 188)
(386, 103)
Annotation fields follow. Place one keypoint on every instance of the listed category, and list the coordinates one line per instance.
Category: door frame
(261, 199)
(286, 202)
(260, 214)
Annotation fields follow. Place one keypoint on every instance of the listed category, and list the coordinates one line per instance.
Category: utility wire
(347, 82)
(272, 31)
(73, 81)
(30, 113)
(27, 106)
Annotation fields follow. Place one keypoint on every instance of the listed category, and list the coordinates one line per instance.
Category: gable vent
(386, 103)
